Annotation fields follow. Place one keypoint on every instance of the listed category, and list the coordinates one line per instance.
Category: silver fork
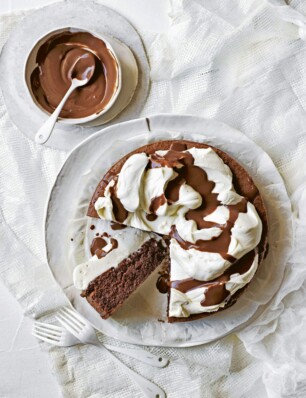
(84, 332)
(52, 334)
(60, 336)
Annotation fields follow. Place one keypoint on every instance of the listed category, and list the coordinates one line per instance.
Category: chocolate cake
(205, 203)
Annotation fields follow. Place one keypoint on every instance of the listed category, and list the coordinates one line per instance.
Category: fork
(84, 332)
(60, 336)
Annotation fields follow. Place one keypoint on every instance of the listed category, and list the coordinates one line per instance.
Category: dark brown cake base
(108, 291)
(243, 185)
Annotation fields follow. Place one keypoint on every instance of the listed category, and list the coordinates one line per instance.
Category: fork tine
(75, 315)
(67, 324)
(46, 330)
(43, 334)
(48, 326)
(47, 340)
(67, 315)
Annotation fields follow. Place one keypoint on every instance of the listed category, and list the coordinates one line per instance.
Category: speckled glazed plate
(139, 321)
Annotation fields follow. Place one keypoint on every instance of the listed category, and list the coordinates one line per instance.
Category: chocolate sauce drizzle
(216, 291)
(119, 210)
(116, 226)
(97, 245)
(163, 283)
(151, 217)
(196, 177)
(156, 203)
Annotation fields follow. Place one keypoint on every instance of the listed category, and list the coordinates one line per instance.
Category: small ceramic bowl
(31, 64)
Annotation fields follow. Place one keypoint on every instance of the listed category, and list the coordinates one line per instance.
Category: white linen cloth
(244, 64)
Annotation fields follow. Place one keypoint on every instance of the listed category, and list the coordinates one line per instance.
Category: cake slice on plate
(120, 259)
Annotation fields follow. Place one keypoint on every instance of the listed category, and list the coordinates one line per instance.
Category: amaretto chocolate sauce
(116, 226)
(97, 245)
(69, 55)
(216, 289)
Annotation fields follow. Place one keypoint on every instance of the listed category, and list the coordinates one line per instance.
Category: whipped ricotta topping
(189, 195)
(130, 181)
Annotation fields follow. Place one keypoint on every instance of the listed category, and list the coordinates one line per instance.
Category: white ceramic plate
(137, 321)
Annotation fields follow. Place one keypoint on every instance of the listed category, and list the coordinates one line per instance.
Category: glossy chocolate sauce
(156, 203)
(97, 245)
(69, 55)
(216, 289)
(163, 283)
(196, 177)
(151, 217)
(119, 210)
(116, 226)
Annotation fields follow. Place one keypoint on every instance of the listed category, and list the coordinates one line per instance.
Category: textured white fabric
(244, 63)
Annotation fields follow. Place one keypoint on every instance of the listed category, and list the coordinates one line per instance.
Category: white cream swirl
(130, 181)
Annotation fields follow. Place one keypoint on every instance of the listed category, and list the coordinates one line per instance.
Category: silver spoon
(46, 129)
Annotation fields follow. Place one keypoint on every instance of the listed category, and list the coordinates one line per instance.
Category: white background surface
(24, 369)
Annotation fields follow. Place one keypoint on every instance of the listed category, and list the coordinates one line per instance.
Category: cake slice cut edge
(108, 291)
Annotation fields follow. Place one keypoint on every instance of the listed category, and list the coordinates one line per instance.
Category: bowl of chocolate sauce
(69, 53)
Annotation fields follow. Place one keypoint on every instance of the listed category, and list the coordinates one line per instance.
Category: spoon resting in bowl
(79, 77)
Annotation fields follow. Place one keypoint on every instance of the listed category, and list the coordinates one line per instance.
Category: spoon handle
(46, 129)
